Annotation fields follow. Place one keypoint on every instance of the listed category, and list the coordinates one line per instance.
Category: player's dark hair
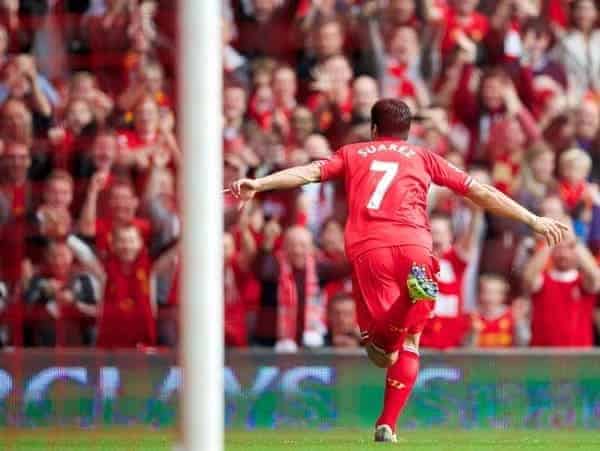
(392, 117)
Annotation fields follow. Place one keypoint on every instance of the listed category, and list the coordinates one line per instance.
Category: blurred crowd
(89, 220)
(88, 164)
(508, 90)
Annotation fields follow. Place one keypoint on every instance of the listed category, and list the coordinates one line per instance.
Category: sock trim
(411, 348)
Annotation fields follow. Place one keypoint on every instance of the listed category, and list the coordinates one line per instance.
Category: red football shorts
(379, 281)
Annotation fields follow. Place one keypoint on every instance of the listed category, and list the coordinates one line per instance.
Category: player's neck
(390, 137)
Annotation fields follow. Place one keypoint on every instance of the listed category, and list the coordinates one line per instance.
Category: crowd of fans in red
(88, 164)
(507, 89)
(89, 224)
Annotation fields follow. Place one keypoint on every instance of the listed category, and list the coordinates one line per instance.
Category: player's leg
(399, 383)
(414, 304)
(376, 288)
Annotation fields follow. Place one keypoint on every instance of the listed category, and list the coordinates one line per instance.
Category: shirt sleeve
(334, 167)
(444, 173)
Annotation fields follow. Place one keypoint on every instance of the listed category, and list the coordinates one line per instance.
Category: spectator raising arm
(532, 273)
(87, 220)
(589, 268)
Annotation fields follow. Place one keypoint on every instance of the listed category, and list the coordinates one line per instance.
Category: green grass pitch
(304, 440)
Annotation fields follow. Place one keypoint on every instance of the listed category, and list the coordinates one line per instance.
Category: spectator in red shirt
(563, 295)
(463, 19)
(449, 324)
(236, 309)
(494, 324)
(16, 202)
(148, 80)
(122, 209)
(331, 102)
(496, 98)
(259, 21)
(74, 135)
(108, 40)
(151, 143)
(128, 309)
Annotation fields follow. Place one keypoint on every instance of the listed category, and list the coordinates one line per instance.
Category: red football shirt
(450, 280)
(449, 324)
(498, 332)
(387, 181)
(563, 313)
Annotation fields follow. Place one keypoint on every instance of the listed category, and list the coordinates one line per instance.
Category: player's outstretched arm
(494, 201)
(245, 189)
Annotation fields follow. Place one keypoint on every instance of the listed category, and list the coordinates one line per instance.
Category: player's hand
(244, 189)
(552, 230)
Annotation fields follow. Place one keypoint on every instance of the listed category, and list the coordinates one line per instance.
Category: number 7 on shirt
(389, 169)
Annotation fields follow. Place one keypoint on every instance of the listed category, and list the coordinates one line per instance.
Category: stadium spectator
(495, 324)
(235, 311)
(122, 208)
(563, 283)
(16, 203)
(61, 299)
(325, 41)
(343, 328)
(505, 87)
(258, 21)
(577, 194)
(331, 100)
(449, 323)
(462, 21)
(537, 177)
(398, 65)
(587, 126)
(579, 50)
(291, 312)
(128, 310)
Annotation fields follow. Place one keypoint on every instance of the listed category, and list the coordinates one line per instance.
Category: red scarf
(571, 194)
(287, 300)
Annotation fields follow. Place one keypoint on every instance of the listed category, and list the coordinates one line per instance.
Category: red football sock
(402, 318)
(399, 381)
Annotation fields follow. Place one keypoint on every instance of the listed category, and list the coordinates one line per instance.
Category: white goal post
(200, 97)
